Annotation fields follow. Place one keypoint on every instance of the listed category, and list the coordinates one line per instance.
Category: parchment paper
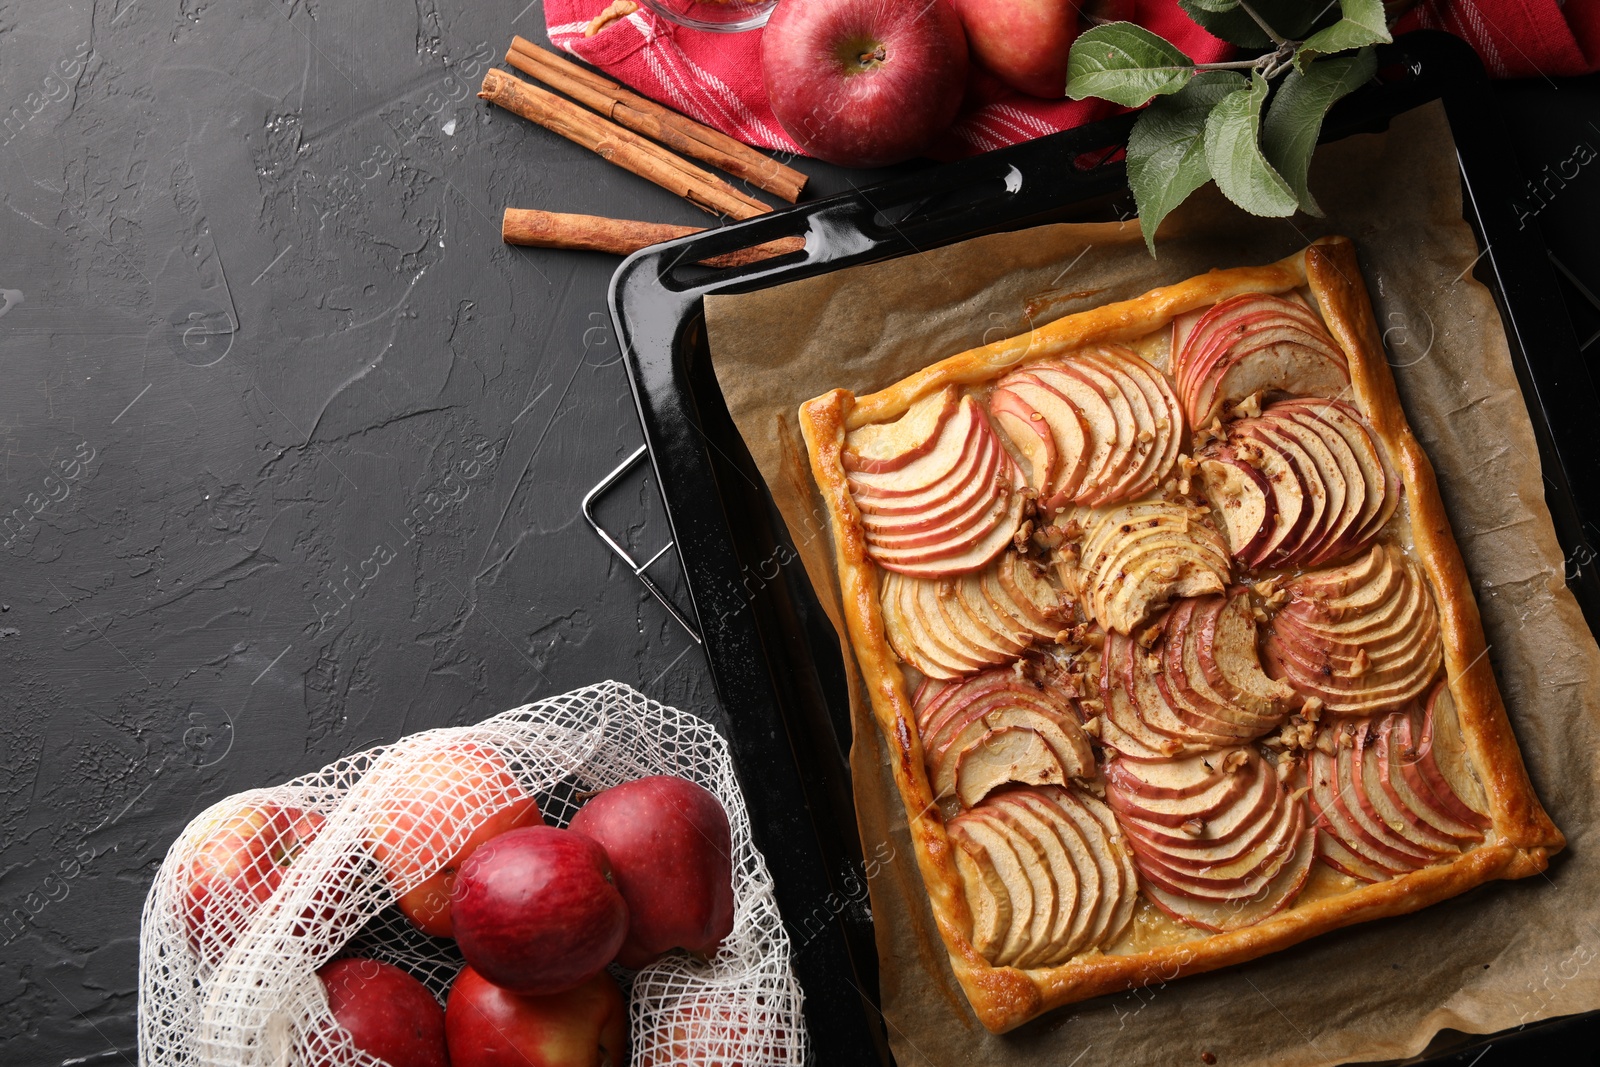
(1500, 955)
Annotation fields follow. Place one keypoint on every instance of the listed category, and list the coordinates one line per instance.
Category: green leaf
(1125, 64)
(1233, 152)
(1294, 119)
(1225, 19)
(1166, 150)
(1361, 22)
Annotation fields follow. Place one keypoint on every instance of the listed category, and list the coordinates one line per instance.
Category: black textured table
(294, 446)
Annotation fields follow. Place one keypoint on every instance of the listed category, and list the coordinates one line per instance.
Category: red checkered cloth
(716, 77)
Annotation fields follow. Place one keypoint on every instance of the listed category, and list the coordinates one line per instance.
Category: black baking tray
(775, 658)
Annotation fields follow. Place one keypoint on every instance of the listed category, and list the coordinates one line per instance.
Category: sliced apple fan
(1199, 687)
(1253, 344)
(1361, 638)
(1098, 427)
(1395, 793)
(950, 627)
(1303, 484)
(1219, 842)
(937, 493)
(1045, 873)
(995, 729)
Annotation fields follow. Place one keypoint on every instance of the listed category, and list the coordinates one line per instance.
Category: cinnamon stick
(642, 115)
(550, 229)
(627, 150)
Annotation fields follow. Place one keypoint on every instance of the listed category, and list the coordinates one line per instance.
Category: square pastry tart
(1166, 631)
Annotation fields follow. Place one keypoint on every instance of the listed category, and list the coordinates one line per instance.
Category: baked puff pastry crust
(1164, 697)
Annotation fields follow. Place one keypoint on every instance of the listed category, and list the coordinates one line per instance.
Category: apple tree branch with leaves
(1250, 125)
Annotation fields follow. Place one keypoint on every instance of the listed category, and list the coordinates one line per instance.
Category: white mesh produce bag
(251, 996)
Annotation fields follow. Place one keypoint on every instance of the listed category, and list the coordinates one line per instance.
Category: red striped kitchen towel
(716, 77)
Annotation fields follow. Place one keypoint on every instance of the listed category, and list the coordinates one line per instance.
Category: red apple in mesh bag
(1024, 42)
(715, 1032)
(463, 789)
(672, 859)
(387, 1013)
(237, 865)
(493, 1027)
(864, 83)
(535, 911)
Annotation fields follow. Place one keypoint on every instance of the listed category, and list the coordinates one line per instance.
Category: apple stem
(1268, 30)
(877, 55)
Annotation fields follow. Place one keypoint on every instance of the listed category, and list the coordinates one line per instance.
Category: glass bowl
(729, 16)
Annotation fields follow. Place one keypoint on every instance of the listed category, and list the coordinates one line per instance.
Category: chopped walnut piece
(1266, 587)
(1193, 827)
(1091, 726)
(1312, 709)
(1235, 759)
(1249, 407)
(1147, 637)
(1019, 540)
(1144, 437)
(1286, 767)
(1362, 662)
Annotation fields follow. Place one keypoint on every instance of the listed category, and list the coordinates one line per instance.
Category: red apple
(711, 1032)
(672, 859)
(864, 83)
(236, 867)
(536, 912)
(451, 801)
(1024, 42)
(586, 1026)
(387, 1013)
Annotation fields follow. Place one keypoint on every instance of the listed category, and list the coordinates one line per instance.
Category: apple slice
(1085, 869)
(973, 548)
(1041, 887)
(990, 845)
(1093, 408)
(1383, 485)
(888, 446)
(1061, 868)
(1025, 427)
(995, 729)
(1137, 557)
(1294, 499)
(1395, 759)
(908, 633)
(1226, 648)
(1021, 589)
(1156, 412)
(1319, 495)
(1324, 642)
(1068, 432)
(1243, 498)
(1255, 344)
(1219, 917)
(1114, 906)
(970, 483)
(1123, 462)
(930, 469)
(1442, 741)
(987, 896)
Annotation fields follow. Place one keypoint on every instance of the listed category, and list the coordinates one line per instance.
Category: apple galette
(1163, 622)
